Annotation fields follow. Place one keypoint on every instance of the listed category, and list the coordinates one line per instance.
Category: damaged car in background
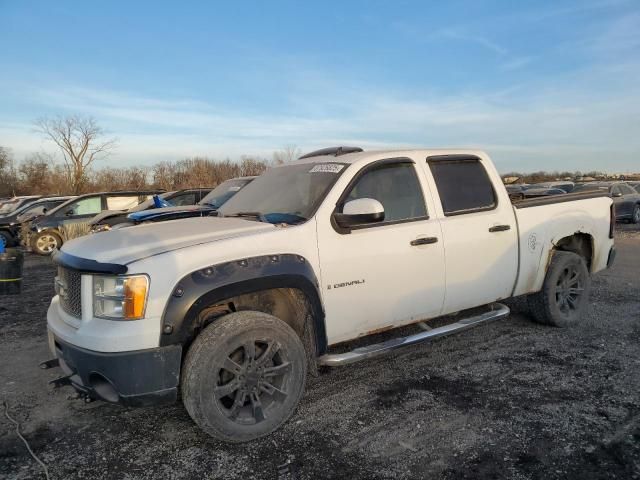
(108, 219)
(71, 219)
(11, 223)
(208, 206)
(235, 311)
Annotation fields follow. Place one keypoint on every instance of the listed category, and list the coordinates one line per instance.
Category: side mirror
(44, 210)
(362, 211)
(69, 212)
(616, 194)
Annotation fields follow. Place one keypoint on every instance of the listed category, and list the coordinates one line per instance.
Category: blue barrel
(11, 262)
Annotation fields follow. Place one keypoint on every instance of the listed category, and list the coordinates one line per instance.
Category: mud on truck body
(235, 311)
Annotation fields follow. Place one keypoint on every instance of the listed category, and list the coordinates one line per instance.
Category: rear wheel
(44, 243)
(635, 216)
(244, 376)
(565, 292)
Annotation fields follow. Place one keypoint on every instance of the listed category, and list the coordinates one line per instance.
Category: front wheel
(44, 243)
(565, 291)
(243, 376)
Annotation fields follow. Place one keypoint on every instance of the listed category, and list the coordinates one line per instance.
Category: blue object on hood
(2, 244)
(160, 203)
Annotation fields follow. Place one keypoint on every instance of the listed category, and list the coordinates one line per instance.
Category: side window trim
(358, 176)
(462, 159)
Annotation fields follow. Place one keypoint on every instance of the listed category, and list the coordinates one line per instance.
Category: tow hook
(54, 362)
(61, 381)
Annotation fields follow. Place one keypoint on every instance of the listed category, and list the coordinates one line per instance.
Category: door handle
(423, 241)
(500, 228)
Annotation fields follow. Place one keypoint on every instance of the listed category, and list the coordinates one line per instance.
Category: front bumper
(136, 378)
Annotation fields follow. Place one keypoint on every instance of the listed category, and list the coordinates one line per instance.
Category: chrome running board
(498, 310)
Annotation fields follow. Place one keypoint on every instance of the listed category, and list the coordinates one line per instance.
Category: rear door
(630, 198)
(479, 231)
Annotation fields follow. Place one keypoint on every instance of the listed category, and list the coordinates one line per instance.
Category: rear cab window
(463, 185)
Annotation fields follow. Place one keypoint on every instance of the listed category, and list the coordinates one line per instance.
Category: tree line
(81, 142)
(39, 175)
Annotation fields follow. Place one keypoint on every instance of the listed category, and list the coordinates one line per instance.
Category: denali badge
(345, 284)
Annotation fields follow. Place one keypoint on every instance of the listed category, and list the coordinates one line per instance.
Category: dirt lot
(507, 400)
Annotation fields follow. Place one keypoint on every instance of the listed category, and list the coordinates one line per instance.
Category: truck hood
(127, 245)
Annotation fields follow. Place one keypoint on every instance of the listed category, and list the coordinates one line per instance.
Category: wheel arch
(282, 285)
(580, 243)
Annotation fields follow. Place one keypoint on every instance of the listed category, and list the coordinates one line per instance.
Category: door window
(86, 206)
(626, 190)
(463, 186)
(122, 202)
(183, 199)
(396, 187)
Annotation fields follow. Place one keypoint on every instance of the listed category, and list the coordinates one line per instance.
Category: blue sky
(539, 85)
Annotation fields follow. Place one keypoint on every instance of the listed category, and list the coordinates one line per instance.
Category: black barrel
(11, 262)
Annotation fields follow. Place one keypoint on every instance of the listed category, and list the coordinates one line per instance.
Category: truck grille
(68, 288)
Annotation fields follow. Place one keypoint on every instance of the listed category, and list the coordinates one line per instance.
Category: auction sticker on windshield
(327, 168)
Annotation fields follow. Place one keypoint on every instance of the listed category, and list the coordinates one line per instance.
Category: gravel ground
(511, 399)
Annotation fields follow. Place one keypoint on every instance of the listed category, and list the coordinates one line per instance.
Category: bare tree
(288, 154)
(8, 177)
(81, 141)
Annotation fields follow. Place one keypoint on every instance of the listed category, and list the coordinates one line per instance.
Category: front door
(385, 274)
(74, 220)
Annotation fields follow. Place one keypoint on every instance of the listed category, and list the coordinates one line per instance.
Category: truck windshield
(285, 194)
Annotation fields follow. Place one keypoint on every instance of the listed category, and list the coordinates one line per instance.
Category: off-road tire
(635, 215)
(204, 379)
(37, 245)
(567, 272)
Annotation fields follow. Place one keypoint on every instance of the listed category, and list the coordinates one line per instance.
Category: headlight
(120, 298)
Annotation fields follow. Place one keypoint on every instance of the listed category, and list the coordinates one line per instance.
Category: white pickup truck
(236, 310)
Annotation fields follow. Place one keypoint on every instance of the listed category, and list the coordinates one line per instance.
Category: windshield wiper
(282, 217)
(257, 215)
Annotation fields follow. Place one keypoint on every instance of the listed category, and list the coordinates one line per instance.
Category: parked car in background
(10, 223)
(535, 192)
(635, 186)
(567, 186)
(209, 205)
(625, 198)
(108, 219)
(71, 219)
(516, 192)
(15, 203)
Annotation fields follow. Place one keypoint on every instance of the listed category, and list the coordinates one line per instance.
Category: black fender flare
(214, 283)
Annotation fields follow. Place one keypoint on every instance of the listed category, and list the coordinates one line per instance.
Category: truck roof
(366, 156)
